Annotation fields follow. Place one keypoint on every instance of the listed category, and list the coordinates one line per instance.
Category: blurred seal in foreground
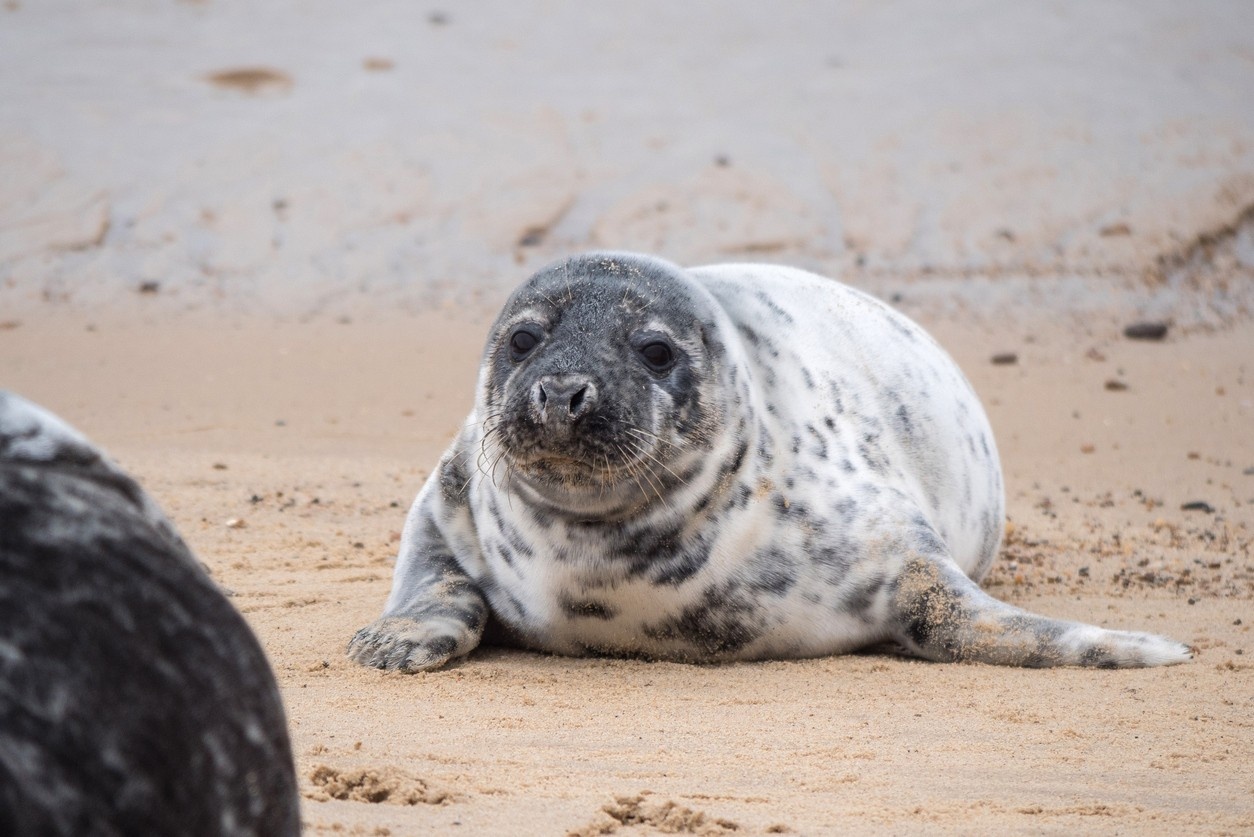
(133, 697)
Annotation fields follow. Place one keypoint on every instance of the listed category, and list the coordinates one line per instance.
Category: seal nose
(563, 399)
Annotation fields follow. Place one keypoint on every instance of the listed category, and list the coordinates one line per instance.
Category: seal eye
(521, 343)
(657, 355)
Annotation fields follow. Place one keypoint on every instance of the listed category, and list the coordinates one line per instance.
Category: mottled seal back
(133, 698)
(725, 463)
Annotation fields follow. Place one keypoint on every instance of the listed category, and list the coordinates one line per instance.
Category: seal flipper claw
(945, 616)
(400, 643)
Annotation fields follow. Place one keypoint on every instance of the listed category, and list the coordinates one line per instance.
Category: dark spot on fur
(766, 300)
(836, 557)
(771, 571)
(683, 566)
(587, 609)
(872, 454)
(860, 599)
(846, 508)
(820, 444)
(723, 621)
(900, 327)
(903, 420)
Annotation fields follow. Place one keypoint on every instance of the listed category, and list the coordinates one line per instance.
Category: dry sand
(287, 454)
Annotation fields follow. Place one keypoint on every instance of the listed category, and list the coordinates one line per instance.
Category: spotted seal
(133, 697)
(736, 462)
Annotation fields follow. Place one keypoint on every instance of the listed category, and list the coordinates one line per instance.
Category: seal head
(599, 384)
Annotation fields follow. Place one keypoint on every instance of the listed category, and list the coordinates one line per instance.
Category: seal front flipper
(439, 617)
(942, 615)
(436, 612)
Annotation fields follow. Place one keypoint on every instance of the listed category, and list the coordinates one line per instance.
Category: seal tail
(945, 616)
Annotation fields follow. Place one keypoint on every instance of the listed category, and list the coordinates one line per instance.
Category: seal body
(725, 463)
(133, 698)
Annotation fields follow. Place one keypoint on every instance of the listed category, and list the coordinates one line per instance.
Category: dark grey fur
(134, 700)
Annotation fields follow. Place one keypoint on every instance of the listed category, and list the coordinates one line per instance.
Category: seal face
(725, 463)
(133, 698)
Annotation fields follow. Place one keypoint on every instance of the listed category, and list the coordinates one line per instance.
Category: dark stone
(1146, 331)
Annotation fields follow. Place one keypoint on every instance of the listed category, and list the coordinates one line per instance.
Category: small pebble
(1194, 455)
(1249, 472)
(1005, 359)
(1115, 385)
(219, 466)
(1198, 505)
(1146, 331)
(236, 523)
(1087, 448)
(532, 237)
(149, 287)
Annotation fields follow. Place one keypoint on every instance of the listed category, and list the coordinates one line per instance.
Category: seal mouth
(565, 469)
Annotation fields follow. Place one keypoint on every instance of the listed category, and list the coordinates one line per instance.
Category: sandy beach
(265, 295)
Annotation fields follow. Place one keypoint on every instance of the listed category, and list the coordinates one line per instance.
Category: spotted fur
(808, 474)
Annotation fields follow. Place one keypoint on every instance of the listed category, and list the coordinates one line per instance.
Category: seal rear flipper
(944, 616)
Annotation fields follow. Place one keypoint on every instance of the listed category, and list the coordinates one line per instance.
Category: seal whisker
(641, 451)
(635, 473)
(643, 468)
(651, 437)
(496, 462)
(491, 437)
(653, 477)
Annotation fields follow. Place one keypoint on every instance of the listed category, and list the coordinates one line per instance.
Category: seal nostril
(577, 401)
(544, 396)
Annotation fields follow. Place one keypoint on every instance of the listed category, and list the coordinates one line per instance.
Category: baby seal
(737, 462)
(133, 697)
